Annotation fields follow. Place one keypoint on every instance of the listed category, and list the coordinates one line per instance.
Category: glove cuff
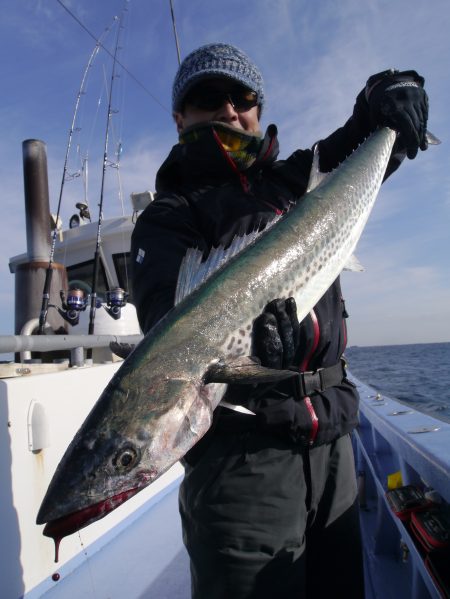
(391, 79)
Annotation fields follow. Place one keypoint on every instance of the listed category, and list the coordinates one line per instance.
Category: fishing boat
(55, 378)
(137, 551)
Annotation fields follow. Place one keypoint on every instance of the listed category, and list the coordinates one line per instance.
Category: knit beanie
(216, 60)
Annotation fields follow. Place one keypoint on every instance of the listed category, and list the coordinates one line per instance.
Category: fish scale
(158, 404)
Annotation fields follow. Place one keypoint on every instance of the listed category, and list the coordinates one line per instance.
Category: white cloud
(391, 303)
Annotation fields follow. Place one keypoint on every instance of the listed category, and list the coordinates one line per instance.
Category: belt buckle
(312, 380)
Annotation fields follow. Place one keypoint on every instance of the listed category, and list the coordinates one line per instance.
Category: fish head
(126, 442)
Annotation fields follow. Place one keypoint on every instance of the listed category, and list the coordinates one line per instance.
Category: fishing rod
(93, 307)
(172, 12)
(49, 273)
(133, 77)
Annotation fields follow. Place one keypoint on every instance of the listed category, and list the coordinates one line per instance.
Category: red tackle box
(432, 528)
(406, 500)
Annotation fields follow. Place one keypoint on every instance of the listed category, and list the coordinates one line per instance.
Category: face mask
(242, 147)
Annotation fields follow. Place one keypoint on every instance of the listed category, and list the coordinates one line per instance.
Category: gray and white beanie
(216, 60)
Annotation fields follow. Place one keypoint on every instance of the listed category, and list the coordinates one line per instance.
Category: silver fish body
(160, 403)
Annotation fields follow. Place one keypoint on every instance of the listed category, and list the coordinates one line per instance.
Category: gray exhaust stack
(37, 206)
(30, 276)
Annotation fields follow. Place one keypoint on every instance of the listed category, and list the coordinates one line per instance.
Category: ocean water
(417, 375)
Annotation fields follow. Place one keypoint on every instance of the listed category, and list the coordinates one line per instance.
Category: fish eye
(126, 459)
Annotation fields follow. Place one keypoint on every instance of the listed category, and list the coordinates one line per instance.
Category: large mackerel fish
(160, 402)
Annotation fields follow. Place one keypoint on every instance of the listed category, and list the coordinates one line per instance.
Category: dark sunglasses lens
(210, 98)
(244, 99)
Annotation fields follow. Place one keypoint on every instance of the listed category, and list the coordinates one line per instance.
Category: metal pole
(175, 32)
(37, 207)
(37, 213)
(45, 343)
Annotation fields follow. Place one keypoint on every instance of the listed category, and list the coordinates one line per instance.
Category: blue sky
(315, 58)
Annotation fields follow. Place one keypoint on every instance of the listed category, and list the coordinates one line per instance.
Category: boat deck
(147, 557)
(142, 555)
(394, 438)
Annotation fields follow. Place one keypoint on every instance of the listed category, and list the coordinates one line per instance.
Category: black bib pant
(257, 525)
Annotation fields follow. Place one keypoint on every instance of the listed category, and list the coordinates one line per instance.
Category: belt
(305, 383)
(314, 381)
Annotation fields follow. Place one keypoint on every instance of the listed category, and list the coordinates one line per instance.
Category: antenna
(175, 32)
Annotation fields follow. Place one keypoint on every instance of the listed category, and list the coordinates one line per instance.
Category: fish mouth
(74, 521)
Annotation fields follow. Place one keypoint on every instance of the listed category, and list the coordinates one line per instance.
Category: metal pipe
(37, 207)
(77, 356)
(28, 329)
(18, 343)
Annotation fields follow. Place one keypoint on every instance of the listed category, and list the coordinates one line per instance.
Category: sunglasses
(208, 97)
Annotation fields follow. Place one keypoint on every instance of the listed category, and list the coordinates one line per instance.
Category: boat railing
(45, 343)
(75, 346)
(395, 442)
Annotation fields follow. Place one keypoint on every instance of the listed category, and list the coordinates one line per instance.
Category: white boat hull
(64, 399)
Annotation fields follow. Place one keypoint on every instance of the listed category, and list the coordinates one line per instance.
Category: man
(268, 504)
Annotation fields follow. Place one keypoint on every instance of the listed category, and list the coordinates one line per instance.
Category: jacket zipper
(244, 182)
(242, 178)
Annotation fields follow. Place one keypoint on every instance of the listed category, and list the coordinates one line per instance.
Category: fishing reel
(75, 302)
(116, 299)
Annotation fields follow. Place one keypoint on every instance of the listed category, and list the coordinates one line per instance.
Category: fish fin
(123, 350)
(236, 408)
(315, 176)
(432, 139)
(194, 271)
(245, 371)
(354, 265)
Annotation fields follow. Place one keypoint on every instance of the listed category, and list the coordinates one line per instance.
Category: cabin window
(122, 265)
(80, 276)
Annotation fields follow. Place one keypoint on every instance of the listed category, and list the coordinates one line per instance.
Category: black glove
(276, 334)
(397, 100)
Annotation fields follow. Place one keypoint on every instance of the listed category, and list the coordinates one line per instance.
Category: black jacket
(204, 202)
